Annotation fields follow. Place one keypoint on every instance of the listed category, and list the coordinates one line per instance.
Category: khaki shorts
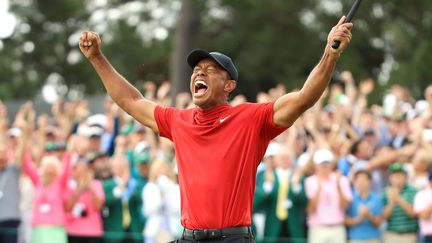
(327, 234)
(391, 237)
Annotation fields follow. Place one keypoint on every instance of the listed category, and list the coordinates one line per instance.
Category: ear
(230, 85)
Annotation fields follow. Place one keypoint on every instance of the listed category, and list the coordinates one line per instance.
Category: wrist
(332, 53)
(96, 57)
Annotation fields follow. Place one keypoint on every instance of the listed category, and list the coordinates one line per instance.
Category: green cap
(142, 158)
(396, 167)
(50, 146)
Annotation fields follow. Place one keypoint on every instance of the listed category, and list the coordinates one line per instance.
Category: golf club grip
(348, 19)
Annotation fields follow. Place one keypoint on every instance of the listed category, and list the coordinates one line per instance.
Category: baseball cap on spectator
(272, 149)
(14, 132)
(223, 60)
(420, 106)
(99, 120)
(55, 146)
(141, 147)
(95, 131)
(323, 156)
(396, 167)
(427, 135)
(142, 158)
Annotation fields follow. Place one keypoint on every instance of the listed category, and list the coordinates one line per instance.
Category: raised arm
(120, 90)
(290, 106)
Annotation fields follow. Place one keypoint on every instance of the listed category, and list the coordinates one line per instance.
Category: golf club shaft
(347, 20)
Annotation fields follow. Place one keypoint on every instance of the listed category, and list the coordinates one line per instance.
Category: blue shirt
(365, 230)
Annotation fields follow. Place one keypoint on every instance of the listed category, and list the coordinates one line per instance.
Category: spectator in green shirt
(398, 210)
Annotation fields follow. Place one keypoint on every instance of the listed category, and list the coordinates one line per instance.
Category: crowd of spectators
(345, 171)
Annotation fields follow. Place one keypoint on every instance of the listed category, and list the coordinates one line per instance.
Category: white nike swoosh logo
(223, 119)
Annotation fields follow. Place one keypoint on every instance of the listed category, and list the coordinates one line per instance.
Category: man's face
(365, 150)
(398, 179)
(207, 84)
(324, 169)
(144, 169)
(362, 182)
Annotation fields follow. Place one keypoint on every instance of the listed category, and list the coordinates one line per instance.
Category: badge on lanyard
(44, 208)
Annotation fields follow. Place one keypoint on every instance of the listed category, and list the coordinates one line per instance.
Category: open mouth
(200, 87)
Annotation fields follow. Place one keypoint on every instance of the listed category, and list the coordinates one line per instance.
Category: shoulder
(254, 106)
(410, 189)
(161, 111)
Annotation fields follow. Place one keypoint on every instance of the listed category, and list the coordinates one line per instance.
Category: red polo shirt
(218, 152)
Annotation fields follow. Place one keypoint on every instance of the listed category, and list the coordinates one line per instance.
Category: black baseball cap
(223, 60)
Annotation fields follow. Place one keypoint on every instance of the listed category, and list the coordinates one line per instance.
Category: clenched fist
(89, 44)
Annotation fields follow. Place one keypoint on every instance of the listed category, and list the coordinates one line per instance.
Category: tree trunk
(185, 40)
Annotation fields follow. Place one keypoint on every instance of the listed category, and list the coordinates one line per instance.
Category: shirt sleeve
(350, 210)
(310, 189)
(152, 199)
(420, 203)
(30, 169)
(164, 119)
(346, 188)
(377, 208)
(67, 169)
(384, 198)
(265, 117)
(411, 194)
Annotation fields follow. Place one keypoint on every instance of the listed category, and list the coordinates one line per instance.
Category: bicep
(288, 108)
(142, 110)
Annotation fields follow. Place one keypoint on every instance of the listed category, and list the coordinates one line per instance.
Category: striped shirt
(399, 221)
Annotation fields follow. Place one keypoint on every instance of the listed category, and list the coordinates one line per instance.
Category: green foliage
(270, 41)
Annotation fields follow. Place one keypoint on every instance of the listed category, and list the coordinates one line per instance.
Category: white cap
(14, 132)
(95, 131)
(427, 135)
(322, 156)
(141, 146)
(97, 120)
(272, 149)
(421, 106)
(84, 130)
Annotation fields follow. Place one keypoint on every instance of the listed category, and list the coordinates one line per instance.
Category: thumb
(341, 21)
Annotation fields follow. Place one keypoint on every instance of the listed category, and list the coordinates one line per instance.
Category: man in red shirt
(218, 147)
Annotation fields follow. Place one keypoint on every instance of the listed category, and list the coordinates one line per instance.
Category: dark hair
(364, 172)
(355, 147)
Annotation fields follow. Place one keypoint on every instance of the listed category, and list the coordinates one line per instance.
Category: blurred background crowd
(355, 166)
(346, 170)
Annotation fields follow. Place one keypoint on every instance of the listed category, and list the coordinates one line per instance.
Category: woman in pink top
(84, 200)
(48, 218)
